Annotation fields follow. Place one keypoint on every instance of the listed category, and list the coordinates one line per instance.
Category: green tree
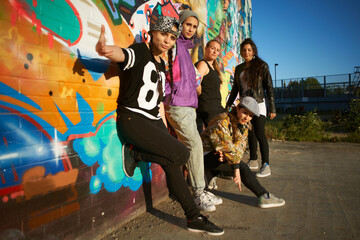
(311, 83)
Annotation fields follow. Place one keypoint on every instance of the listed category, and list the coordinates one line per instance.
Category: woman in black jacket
(252, 78)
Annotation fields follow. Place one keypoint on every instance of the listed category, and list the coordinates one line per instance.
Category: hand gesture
(237, 178)
(221, 156)
(272, 115)
(101, 47)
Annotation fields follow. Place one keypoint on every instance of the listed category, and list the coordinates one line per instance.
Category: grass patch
(310, 127)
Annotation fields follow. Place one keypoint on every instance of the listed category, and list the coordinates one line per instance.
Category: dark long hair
(215, 63)
(254, 70)
(170, 63)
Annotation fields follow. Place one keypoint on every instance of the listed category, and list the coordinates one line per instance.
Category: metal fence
(330, 92)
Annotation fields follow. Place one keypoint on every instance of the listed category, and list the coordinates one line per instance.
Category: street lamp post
(275, 72)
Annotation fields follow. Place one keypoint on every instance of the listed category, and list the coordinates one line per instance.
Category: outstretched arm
(112, 52)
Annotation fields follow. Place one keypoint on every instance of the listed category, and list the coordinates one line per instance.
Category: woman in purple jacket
(181, 101)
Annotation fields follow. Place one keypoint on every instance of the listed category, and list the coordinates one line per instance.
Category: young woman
(252, 78)
(227, 135)
(139, 123)
(209, 92)
(181, 101)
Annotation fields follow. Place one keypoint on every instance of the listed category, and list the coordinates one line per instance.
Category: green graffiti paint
(113, 11)
(58, 17)
(91, 146)
(100, 108)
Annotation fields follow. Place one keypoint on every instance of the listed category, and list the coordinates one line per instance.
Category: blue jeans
(183, 120)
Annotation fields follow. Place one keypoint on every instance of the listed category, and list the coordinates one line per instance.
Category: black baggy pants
(213, 168)
(153, 143)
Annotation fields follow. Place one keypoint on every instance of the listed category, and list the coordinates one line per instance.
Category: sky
(308, 37)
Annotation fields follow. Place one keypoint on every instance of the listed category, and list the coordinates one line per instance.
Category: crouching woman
(224, 142)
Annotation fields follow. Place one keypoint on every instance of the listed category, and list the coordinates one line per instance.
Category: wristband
(235, 166)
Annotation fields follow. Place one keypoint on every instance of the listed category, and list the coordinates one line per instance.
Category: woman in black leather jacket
(252, 78)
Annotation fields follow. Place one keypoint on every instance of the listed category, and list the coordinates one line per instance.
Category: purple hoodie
(184, 85)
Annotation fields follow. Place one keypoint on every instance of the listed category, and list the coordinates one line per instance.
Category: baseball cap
(250, 104)
(165, 24)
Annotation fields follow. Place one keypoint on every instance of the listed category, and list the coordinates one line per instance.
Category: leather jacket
(264, 83)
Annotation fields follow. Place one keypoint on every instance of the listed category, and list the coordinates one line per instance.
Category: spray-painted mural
(58, 99)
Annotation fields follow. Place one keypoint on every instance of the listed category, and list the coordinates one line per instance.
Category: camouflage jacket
(224, 133)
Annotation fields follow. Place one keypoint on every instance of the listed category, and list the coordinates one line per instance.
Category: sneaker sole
(208, 210)
(210, 197)
(216, 203)
(123, 162)
(263, 175)
(272, 205)
(203, 231)
(254, 167)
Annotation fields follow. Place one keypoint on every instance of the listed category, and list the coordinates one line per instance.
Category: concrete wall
(60, 158)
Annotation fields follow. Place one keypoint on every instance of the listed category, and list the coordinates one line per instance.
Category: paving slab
(319, 181)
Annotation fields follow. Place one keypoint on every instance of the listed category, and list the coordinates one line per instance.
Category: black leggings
(213, 168)
(203, 117)
(258, 134)
(153, 143)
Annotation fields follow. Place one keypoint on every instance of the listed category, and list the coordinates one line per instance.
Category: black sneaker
(202, 224)
(129, 163)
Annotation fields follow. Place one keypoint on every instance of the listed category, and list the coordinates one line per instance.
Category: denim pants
(153, 143)
(258, 134)
(213, 168)
(183, 120)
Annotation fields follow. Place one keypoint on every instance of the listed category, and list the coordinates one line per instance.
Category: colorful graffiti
(58, 97)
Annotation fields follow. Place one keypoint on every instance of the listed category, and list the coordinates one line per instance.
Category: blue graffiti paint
(86, 116)
(106, 151)
(96, 67)
(10, 92)
(24, 146)
(95, 184)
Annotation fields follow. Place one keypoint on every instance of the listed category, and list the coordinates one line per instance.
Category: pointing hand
(100, 47)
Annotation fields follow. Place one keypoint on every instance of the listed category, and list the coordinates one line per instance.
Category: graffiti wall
(60, 157)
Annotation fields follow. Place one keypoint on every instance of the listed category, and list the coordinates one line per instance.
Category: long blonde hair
(215, 63)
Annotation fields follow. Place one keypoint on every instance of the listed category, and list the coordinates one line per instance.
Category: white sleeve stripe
(131, 57)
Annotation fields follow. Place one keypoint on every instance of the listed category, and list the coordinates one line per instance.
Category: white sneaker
(213, 199)
(203, 203)
(212, 184)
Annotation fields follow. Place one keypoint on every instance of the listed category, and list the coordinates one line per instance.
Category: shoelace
(263, 168)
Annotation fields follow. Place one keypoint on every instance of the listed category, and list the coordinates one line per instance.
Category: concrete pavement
(319, 181)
